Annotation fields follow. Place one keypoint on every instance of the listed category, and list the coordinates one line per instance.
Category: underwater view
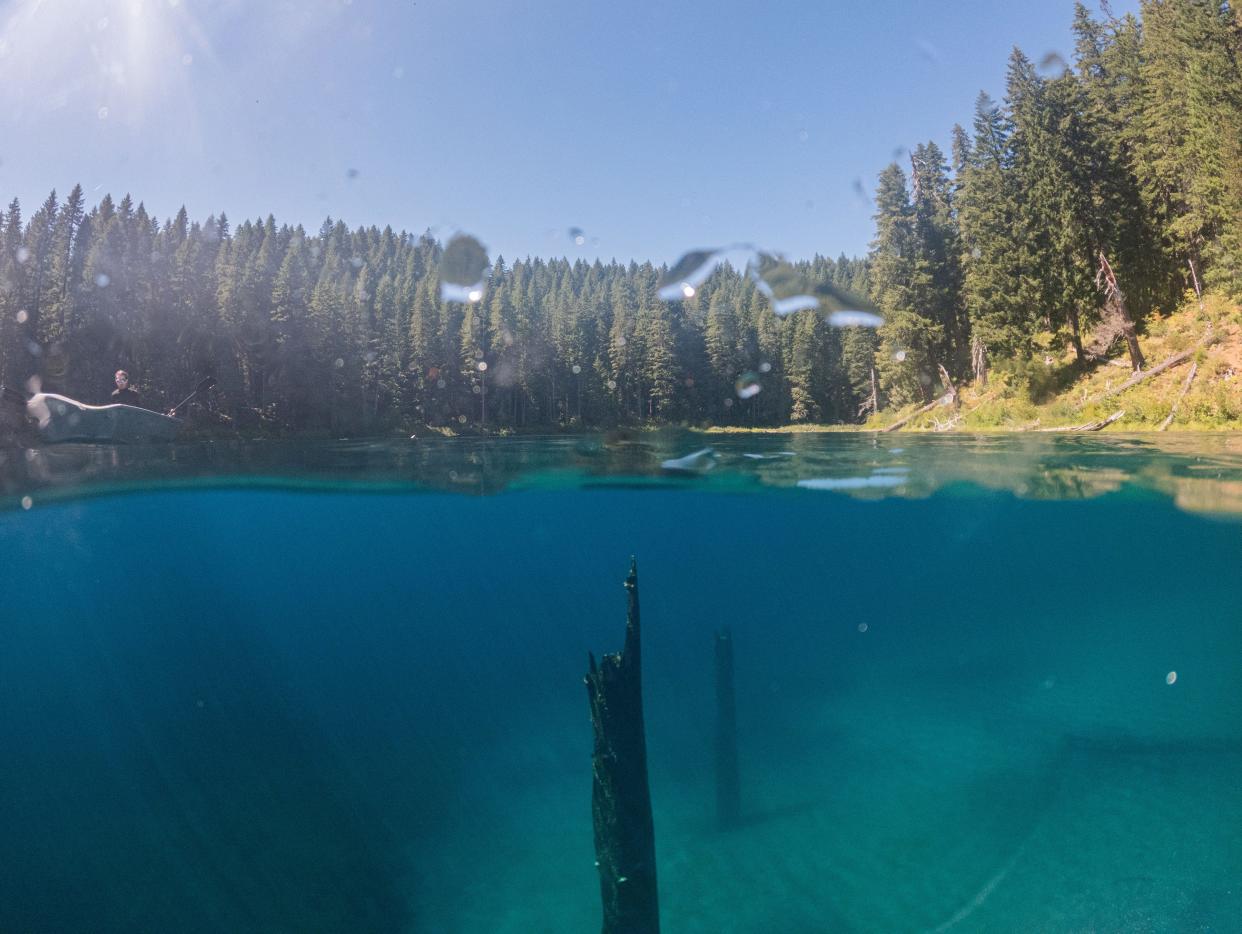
(981, 683)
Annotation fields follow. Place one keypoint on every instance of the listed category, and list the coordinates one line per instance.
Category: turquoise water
(334, 688)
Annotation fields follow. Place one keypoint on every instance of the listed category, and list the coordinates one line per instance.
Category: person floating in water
(124, 393)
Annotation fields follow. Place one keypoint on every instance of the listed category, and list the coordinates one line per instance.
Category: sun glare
(118, 60)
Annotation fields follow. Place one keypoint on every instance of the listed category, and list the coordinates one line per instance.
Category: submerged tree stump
(728, 788)
(620, 795)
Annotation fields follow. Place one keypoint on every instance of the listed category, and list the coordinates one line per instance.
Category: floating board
(63, 419)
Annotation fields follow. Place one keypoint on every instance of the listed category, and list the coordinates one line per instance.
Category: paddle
(205, 383)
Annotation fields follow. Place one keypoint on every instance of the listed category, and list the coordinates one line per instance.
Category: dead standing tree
(728, 788)
(1115, 306)
(620, 794)
(979, 362)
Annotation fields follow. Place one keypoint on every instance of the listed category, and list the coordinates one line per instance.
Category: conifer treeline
(345, 331)
(1129, 161)
(1131, 158)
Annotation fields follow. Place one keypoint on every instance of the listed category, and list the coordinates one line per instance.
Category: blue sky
(654, 127)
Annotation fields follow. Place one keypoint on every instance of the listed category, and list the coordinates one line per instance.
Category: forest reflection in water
(1201, 473)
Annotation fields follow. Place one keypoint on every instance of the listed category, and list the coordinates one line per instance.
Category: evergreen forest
(1096, 194)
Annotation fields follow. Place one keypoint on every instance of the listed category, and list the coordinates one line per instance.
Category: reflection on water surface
(1200, 472)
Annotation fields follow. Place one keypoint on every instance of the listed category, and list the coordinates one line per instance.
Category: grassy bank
(1050, 390)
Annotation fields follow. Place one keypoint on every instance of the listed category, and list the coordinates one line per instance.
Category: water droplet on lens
(976, 252)
(476, 390)
(854, 319)
(22, 316)
(784, 284)
(461, 419)
(1053, 63)
(338, 363)
(765, 368)
(1171, 678)
(23, 254)
(698, 462)
(102, 113)
(187, 59)
(27, 502)
(747, 385)
(462, 269)
(688, 272)
(102, 280)
(863, 627)
(803, 136)
(440, 384)
(576, 369)
(899, 355)
(612, 384)
(482, 366)
(928, 51)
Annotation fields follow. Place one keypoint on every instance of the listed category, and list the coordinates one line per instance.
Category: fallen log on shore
(1089, 426)
(1175, 360)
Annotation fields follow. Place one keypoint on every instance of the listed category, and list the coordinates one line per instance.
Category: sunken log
(728, 788)
(620, 795)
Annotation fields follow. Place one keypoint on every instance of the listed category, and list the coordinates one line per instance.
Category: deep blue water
(236, 708)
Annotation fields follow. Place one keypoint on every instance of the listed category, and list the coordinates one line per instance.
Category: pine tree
(910, 341)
